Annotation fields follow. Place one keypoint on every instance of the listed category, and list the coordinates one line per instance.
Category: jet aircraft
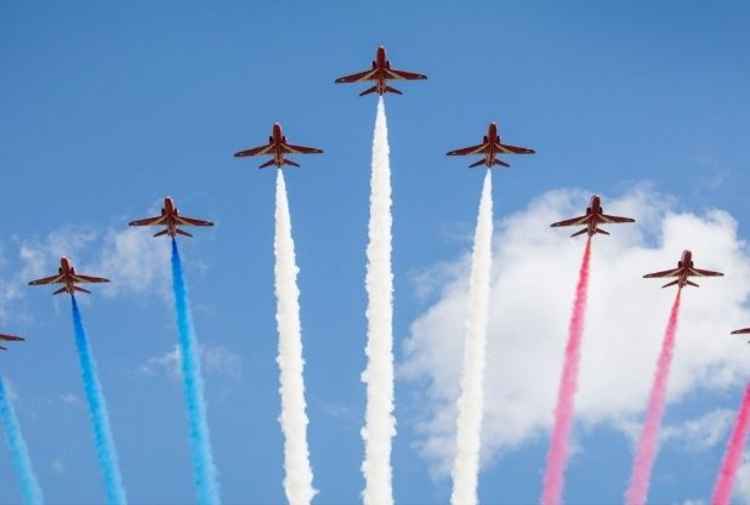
(684, 270)
(490, 148)
(67, 276)
(9, 338)
(277, 147)
(742, 332)
(171, 218)
(594, 216)
(381, 72)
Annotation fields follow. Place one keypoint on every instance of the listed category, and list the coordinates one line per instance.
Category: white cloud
(697, 434)
(533, 280)
(215, 360)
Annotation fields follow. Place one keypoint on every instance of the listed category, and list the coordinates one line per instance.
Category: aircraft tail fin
(268, 163)
(501, 162)
(369, 90)
(603, 232)
(182, 232)
(61, 290)
(576, 234)
(290, 163)
(161, 233)
(389, 89)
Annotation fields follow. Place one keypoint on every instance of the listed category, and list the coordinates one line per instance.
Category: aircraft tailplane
(61, 290)
(690, 283)
(480, 162)
(369, 90)
(76, 288)
(603, 232)
(291, 163)
(161, 233)
(182, 232)
(501, 162)
(585, 230)
(268, 163)
(389, 89)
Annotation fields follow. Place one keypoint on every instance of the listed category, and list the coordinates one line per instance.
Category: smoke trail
(105, 445)
(557, 457)
(299, 477)
(32, 493)
(733, 456)
(470, 403)
(204, 471)
(380, 425)
(644, 457)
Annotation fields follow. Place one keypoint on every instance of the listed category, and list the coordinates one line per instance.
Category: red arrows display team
(67, 276)
(684, 270)
(381, 72)
(171, 218)
(277, 147)
(490, 148)
(594, 217)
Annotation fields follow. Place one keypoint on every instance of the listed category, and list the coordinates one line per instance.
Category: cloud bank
(534, 274)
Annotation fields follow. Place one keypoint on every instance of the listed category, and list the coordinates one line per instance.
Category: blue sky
(107, 108)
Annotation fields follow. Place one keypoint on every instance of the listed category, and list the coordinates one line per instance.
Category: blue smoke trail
(105, 446)
(204, 471)
(32, 493)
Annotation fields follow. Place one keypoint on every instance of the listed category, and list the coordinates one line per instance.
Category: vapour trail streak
(105, 445)
(204, 471)
(380, 425)
(557, 457)
(470, 403)
(298, 482)
(644, 457)
(19, 453)
(733, 456)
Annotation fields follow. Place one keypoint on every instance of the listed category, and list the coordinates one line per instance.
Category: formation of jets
(278, 147)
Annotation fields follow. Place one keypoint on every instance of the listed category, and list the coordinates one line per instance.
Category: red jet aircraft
(277, 147)
(684, 270)
(490, 147)
(171, 218)
(594, 216)
(67, 275)
(741, 332)
(381, 72)
(9, 338)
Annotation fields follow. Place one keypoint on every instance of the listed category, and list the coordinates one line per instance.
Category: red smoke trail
(644, 457)
(733, 456)
(558, 451)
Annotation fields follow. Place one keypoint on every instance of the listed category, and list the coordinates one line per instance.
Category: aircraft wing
(576, 221)
(10, 338)
(507, 148)
(89, 278)
(46, 280)
(675, 272)
(742, 331)
(292, 149)
(193, 222)
(465, 151)
(149, 221)
(254, 151)
(616, 219)
(705, 273)
(358, 77)
(402, 74)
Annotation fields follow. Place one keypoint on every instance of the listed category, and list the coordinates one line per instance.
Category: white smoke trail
(380, 425)
(298, 480)
(470, 403)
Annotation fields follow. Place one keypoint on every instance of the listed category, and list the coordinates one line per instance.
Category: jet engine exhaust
(644, 457)
(733, 456)
(557, 457)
